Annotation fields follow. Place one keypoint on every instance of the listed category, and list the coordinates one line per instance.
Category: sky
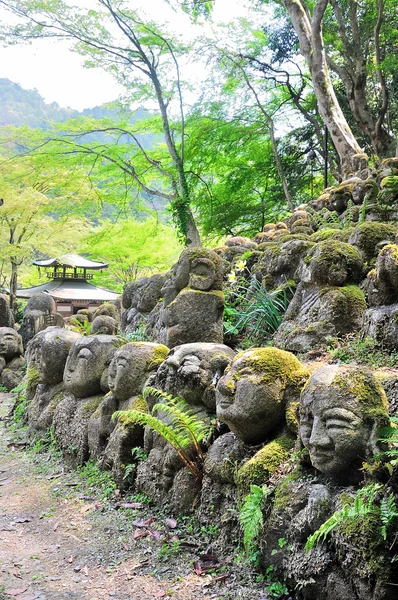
(58, 73)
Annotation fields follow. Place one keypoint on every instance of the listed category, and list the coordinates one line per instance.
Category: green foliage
(184, 432)
(97, 480)
(254, 311)
(251, 518)
(356, 348)
(132, 249)
(84, 328)
(389, 436)
(366, 502)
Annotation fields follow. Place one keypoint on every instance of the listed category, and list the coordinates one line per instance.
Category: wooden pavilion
(68, 283)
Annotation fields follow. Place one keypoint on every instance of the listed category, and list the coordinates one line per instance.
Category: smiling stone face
(251, 396)
(88, 359)
(131, 366)
(52, 352)
(10, 343)
(192, 371)
(341, 410)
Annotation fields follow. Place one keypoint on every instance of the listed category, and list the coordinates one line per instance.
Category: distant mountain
(27, 107)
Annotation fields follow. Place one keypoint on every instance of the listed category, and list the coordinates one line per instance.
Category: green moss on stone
(32, 377)
(368, 234)
(138, 404)
(366, 389)
(91, 405)
(265, 462)
(272, 363)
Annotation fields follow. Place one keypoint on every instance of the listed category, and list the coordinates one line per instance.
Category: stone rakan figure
(342, 409)
(193, 301)
(341, 412)
(191, 372)
(6, 316)
(85, 383)
(11, 360)
(131, 370)
(327, 301)
(46, 357)
(40, 313)
(254, 394)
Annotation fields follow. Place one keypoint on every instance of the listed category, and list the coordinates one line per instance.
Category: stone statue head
(10, 343)
(87, 365)
(253, 394)
(341, 410)
(52, 349)
(191, 371)
(335, 263)
(197, 268)
(131, 367)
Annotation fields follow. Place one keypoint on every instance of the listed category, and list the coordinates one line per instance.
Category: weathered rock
(369, 234)
(40, 313)
(130, 371)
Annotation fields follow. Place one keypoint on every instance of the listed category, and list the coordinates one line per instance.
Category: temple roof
(72, 289)
(71, 260)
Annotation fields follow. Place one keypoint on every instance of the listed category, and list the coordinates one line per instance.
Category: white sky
(58, 74)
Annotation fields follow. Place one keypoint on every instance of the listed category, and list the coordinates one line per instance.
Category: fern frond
(251, 516)
(175, 440)
(185, 424)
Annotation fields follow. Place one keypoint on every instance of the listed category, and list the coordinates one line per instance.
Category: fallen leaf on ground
(16, 592)
(16, 446)
(28, 596)
(56, 525)
(160, 594)
(87, 507)
(71, 558)
(171, 523)
(85, 569)
(139, 524)
(139, 534)
(5, 481)
(50, 477)
(23, 519)
(128, 505)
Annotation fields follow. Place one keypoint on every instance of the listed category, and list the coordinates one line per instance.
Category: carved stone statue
(191, 371)
(253, 395)
(85, 382)
(341, 410)
(193, 299)
(6, 317)
(40, 313)
(11, 360)
(132, 369)
(46, 358)
(326, 302)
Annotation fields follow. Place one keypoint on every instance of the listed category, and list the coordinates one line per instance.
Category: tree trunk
(309, 32)
(13, 285)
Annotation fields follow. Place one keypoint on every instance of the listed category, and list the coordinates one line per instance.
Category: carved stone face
(340, 412)
(10, 343)
(131, 367)
(251, 396)
(88, 358)
(52, 352)
(192, 371)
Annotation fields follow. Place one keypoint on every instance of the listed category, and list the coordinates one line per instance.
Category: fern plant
(365, 504)
(256, 310)
(185, 432)
(389, 436)
(251, 516)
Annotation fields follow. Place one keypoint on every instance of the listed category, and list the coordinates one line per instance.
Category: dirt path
(58, 543)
